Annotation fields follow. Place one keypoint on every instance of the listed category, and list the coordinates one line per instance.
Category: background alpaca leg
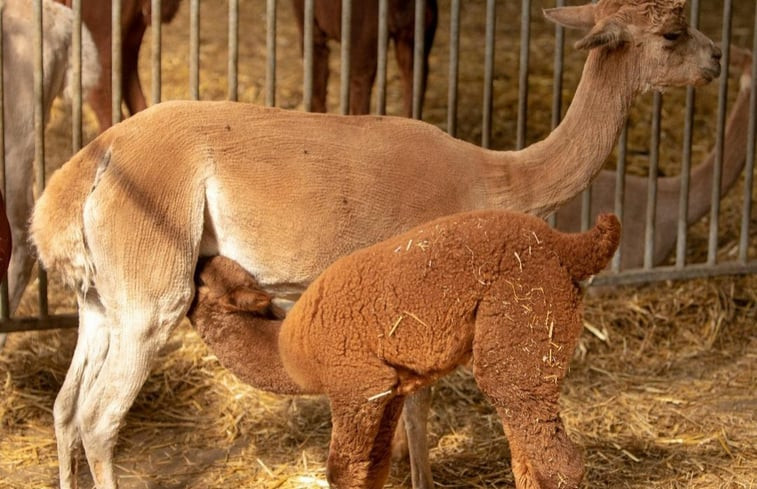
(133, 94)
(510, 368)
(18, 206)
(91, 347)
(415, 417)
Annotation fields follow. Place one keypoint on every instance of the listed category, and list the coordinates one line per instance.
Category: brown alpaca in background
(496, 287)
(400, 20)
(136, 15)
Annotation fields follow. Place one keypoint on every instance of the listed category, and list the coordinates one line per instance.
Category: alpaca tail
(586, 254)
(57, 223)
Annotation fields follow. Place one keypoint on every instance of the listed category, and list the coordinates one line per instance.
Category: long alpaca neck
(541, 177)
(734, 147)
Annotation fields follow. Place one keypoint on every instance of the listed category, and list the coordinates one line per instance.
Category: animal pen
(640, 402)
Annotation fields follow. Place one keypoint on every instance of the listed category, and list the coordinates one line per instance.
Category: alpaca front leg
(543, 457)
(361, 440)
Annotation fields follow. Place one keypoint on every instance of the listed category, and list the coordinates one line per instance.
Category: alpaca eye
(672, 36)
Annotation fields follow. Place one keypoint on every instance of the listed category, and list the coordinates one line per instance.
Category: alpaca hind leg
(91, 347)
(513, 367)
(131, 352)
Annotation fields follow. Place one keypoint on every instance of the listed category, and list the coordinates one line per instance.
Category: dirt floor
(662, 392)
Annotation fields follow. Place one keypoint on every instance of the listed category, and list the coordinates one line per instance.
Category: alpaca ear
(581, 17)
(608, 33)
(243, 299)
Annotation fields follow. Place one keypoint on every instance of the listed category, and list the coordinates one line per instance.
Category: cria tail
(586, 254)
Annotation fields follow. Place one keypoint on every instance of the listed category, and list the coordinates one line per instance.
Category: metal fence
(742, 264)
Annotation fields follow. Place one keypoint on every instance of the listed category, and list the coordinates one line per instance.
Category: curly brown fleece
(384, 321)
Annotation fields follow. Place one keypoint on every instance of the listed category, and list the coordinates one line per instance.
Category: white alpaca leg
(126, 368)
(133, 345)
(91, 348)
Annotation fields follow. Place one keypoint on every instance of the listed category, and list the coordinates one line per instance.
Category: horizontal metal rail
(658, 274)
(59, 321)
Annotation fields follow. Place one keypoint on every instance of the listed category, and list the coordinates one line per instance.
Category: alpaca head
(653, 35)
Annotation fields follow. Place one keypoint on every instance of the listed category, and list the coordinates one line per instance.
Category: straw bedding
(662, 392)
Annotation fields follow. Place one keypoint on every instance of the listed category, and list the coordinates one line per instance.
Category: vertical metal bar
(525, 40)
(76, 66)
(746, 214)
(39, 132)
(233, 50)
(4, 302)
(654, 162)
(620, 190)
(194, 49)
(116, 42)
(156, 49)
(486, 131)
(557, 84)
(307, 55)
(383, 43)
(586, 208)
(558, 71)
(418, 50)
(688, 134)
(454, 66)
(344, 98)
(712, 248)
(270, 72)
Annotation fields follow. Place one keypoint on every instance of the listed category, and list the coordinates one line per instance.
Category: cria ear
(581, 17)
(244, 299)
(608, 33)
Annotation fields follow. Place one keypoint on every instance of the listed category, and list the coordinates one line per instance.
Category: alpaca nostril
(717, 53)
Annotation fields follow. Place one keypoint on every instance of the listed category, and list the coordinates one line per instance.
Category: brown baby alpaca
(378, 324)
(240, 324)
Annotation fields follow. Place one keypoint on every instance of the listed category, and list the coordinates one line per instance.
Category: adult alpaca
(125, 229)
(136, 15)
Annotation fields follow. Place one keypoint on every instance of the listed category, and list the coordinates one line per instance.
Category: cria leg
(361, 440)
(364, 413)
(513, 367)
